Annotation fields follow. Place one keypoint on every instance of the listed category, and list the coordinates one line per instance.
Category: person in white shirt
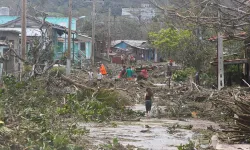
(90, 75)
(99, 76)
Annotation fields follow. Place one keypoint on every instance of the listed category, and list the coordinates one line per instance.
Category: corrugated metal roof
(29, 31)
(133, 43)
(61, 21)
(9, 30)
(5, 19)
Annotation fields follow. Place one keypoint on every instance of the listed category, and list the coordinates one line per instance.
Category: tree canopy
(169, 39)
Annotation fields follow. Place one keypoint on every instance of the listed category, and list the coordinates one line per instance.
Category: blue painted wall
(62, 48)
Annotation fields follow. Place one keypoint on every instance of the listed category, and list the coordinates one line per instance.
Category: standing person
(103, 70)
(142, 56)
(123, 72)
(91, 73)
(129, 73)
(197, 78)
(171, 62)
(148, 101)
(99, 76)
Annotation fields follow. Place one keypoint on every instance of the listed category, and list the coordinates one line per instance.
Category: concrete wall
(11, 65)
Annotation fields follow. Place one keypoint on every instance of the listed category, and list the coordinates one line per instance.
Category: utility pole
(23, 40)
(93, 33)
(109, 34)
(220, 58)
(68, 65)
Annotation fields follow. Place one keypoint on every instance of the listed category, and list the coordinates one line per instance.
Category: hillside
(80, 7)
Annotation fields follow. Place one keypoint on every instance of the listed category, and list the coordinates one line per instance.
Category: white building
(146, 12)
(4, 11)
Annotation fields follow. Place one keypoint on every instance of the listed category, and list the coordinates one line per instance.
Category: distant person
(197, 77)
(91, 74)
(133, 60)
(99, 76)
(123, 72)
(148, 101)
(142, 57)
(143, 75)
(129, 73)
(171, 62)
(103, 70)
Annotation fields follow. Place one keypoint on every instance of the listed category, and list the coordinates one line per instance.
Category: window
(82, 46)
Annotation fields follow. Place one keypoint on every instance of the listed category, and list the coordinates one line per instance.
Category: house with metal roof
(81, 44)
(138, 48)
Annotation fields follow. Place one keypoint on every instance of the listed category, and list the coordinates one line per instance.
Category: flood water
(134, 133)
(156, 137)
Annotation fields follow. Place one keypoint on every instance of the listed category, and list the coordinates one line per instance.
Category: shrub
(57, 71)
(182, 75)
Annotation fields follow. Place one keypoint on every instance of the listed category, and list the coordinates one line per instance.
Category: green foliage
(189, 146)
(182, 75)
(57, 71)
(43, 121)
(168, 39)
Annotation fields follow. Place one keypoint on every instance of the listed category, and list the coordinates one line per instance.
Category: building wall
(11, 65)
(1, 63)
(11, 37)
(63, 47)
(144, 13)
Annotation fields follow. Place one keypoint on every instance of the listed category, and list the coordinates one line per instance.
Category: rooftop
(29, 31)
(9, 30)
(133, 43)
(61, 21)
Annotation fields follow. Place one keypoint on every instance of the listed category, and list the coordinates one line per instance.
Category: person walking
(99, 77)
(148, 101)
(129, 73)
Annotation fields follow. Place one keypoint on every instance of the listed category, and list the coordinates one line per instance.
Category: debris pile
(240, 130)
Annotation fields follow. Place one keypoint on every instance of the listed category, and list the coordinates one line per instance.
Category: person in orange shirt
(103, 70)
